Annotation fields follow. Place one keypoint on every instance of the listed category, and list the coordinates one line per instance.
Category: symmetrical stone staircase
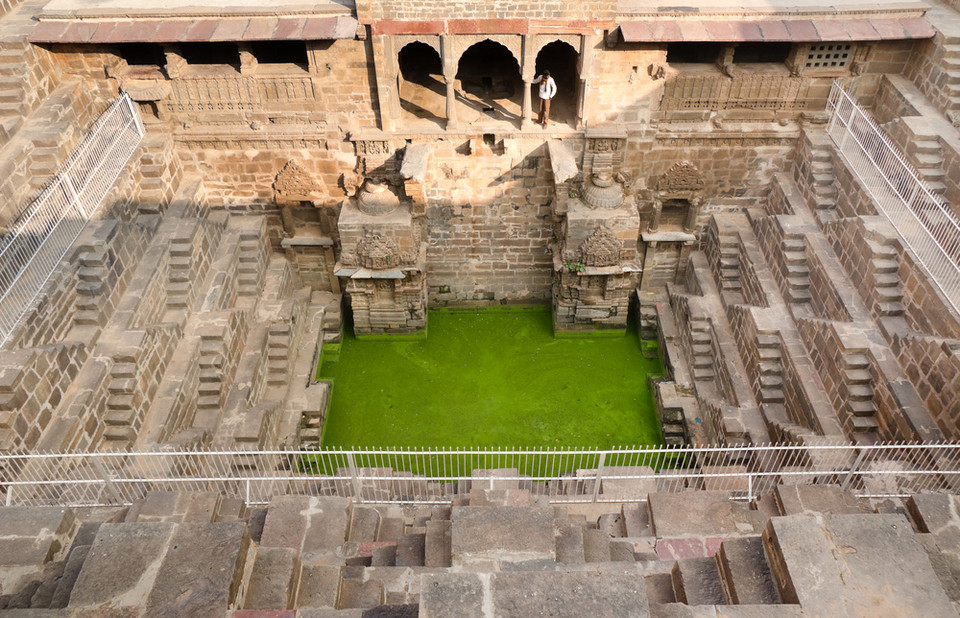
(801, 550)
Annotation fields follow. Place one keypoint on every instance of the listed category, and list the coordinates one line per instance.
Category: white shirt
(548, 87)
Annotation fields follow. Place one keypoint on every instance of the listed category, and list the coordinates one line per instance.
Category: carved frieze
(600, 249)
(604, 144)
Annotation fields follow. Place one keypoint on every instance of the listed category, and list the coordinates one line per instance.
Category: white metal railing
(431, 476)
(924, 221)
(40, 236)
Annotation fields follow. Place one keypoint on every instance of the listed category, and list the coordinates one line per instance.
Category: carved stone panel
(600, 249)
(295, 184)
(682, 177)
(378, 252)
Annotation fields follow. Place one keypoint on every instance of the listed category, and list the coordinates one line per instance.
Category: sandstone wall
(489, 223)
(933, 366)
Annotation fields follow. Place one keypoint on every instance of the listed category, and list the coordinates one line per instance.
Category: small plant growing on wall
(576, 267)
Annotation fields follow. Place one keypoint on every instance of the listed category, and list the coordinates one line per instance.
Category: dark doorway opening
(490, 83)
(563, 62)
(422, 90)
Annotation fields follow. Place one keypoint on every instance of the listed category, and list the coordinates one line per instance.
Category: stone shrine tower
(382, 260)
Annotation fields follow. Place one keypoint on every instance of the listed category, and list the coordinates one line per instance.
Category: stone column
(526, 74)
(657, 209)
(526, 119)
(690, 223)
(452, 124)
(450, 78)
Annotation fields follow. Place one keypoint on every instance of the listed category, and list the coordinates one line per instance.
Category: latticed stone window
(829, 56)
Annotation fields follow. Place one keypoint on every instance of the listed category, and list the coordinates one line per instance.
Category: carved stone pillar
(452, 124)
(690, 223)
(450, 78)
(526, 119)
(657, 210)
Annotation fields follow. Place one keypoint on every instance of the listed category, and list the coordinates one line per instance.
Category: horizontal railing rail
(42, 234)
(925, 222)
(432, 476)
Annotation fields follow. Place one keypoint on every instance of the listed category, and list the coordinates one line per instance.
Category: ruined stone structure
(381, 158)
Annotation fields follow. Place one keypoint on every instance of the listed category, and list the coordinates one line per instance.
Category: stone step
(437, 547)
(859, 392)
(890, 309)
(703, 373)
(704, 349)
(636, 519)
(230, 509)
(771, 367)
(771, 395)
(857, 376)
(881, 266)
(696, 581)
(359, 594)
(411, 550)
(856, 361)
(769, 381)
(273, 579)
(700, 336)
(864, 424)
(364, 525)
(569, 541)
(889, 294)
(596, 546)
(887, 280)
(745, 572)
(865, 408)
(796, 265)
(612, 525)
(770, 353)
(319, 587)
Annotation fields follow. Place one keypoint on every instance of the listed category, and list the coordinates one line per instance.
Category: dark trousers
(544, 117)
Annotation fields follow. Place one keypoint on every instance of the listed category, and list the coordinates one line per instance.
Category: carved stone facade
(382, 262)
(596, 260)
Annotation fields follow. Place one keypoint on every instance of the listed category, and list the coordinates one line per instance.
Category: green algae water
(491, 377)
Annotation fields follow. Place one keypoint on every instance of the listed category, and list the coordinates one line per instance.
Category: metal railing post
(597, 478)
(107, 480)
(355, 479)
(854, 468)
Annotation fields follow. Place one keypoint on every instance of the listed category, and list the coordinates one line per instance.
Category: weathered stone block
(122, 565)
(504, 533)
(273, 579)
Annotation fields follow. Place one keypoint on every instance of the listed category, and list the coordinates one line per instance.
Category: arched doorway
(488, 78)
(563, 62)
(421, 87)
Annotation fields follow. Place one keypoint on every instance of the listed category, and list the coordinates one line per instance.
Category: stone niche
(596, 259)
(382, 262)
(671, 233)
(309, 224)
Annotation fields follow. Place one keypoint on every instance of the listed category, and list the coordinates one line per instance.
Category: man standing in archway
(548, 90)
